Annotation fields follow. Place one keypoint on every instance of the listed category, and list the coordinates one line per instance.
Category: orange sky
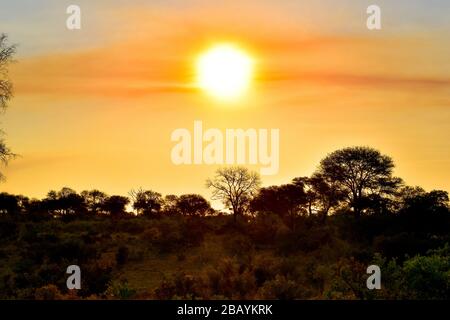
(96, 109)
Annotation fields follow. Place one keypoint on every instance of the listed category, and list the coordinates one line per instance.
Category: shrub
(95, 278)
(120, 290)
(427, 277)
(48, 292)
(279, 288)
(181, 285)
(241, 247)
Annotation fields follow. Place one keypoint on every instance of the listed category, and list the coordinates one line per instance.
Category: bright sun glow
(224, 71)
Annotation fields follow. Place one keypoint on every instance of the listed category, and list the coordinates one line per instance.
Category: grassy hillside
(213, 257)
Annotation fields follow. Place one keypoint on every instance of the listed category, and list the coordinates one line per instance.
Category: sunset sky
(95, 108)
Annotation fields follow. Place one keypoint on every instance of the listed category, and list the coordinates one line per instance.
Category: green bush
(120, 290)
(427, 277)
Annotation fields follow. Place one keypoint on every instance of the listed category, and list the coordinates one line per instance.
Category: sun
(224, 71)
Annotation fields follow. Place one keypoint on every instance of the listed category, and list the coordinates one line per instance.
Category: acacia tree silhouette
(361, 172)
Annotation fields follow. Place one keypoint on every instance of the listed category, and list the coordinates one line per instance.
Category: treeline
(357, 180)
(312, 238)
(299, 199)
(68, 203)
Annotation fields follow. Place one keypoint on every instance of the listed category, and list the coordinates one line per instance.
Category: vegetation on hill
(310, 239)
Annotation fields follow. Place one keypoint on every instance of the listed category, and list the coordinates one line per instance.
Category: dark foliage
(310, 239)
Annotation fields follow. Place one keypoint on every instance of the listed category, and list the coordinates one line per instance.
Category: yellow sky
(101, 115)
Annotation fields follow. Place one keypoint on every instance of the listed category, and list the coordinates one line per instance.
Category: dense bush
(215, 257)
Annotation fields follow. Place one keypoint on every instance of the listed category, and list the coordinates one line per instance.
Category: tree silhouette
(234, 186)
(115, 205)
(321, 195)
(6, 54)
(417, 201)
(63, 202)
(193, 205)
(170, 204)
(288, 201)
(93, 200)
(9, 204)
(360, 171)
(146, 202)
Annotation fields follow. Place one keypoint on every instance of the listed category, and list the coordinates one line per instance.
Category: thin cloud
(358, 80)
